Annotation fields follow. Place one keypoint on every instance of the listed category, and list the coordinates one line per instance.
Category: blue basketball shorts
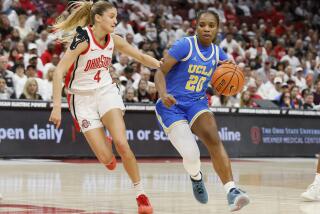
(181, 112)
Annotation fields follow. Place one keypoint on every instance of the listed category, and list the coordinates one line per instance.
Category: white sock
(138, 187)
(196, 177)
(317, 179)
(228, 186)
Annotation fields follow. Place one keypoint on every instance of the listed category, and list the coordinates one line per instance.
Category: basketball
(228, 79)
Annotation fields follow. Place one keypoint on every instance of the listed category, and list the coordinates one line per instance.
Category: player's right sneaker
(199, 190)
(312, 193)
(144, 206)
(237, 199)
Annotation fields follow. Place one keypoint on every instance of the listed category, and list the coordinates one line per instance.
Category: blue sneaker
(199, 190)
(237, 199)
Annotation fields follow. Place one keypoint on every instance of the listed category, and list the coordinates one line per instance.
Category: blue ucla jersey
(189, 78)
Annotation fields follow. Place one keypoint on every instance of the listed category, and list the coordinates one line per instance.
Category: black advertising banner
(26, 132)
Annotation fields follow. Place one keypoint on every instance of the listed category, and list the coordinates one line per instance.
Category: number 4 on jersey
(97, 76)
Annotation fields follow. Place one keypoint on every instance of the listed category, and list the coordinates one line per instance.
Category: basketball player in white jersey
(94, 101)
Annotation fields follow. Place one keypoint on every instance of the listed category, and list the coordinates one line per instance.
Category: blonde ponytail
(82, 14)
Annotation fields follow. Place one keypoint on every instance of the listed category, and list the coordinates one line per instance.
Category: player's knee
(211, 138)
(105, 158)
(191, 157)
(122, 148)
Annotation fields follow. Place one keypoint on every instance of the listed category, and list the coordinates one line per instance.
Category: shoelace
(199, 187)
(237, 190)
(143, 200)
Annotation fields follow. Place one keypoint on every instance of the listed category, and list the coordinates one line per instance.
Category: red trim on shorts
(95, 41)
(76, 124)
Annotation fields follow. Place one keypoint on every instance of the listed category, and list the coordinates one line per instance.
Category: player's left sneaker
(144, 206)
(237, 199)
(199, 190)
(312, 193)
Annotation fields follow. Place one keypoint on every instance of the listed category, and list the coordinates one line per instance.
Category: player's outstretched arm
(65, 63)
(124, 47)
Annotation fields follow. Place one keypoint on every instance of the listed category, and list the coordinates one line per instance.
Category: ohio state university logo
(99, 62)
(85, 124)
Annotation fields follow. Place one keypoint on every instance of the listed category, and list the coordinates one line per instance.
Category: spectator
(19, 80)
(124, 28)
(183, 30)
(153, 92)
(5, 73)
(53, 63)
(167, 35)
(296, 98)
(151, 29)
(143, 94)
(145, 75)
(46, 57)
(123, 62)
(129, 38)
(285, 101)
(42, 42)
(141, 36)
(5, 92)
(47, 84)
(30, 91)
(266, 71)
(23, 28)
(299, 79)
(231, 44)
(31, 72)
(128, 74)
(291, 59)
(257, 49)
(252, 88)
(129, 95)
(308, 101)
(316, 93)
(5, 27)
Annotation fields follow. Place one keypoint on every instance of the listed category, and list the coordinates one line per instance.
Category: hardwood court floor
(45, 186)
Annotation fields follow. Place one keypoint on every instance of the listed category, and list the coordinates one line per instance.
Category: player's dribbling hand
(55, 116)
(168, 100)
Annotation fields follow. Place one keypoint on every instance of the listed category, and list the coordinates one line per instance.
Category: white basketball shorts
(88, 107)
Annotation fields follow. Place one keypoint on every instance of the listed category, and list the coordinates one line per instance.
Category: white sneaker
(312, 193)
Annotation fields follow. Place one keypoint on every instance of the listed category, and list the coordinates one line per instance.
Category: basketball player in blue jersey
(183, 107)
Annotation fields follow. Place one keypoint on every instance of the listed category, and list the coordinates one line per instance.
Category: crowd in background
(276, 44)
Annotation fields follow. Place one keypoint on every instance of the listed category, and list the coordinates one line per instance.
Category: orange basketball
(228, 79)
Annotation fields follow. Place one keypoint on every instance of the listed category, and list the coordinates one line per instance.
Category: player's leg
(205, 127)
(313, 191)
(113, 121)
(177, 128)
(102, 149)
(84, 112)
(183, 140)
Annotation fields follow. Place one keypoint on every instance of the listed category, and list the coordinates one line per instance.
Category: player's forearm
(160, 83)
(149, 61)
(57, 80)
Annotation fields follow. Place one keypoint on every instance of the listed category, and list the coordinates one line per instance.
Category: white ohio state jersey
(91, 69)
